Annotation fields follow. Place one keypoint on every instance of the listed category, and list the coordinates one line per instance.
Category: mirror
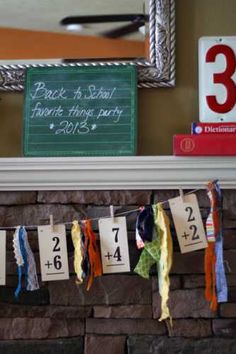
(141, 32)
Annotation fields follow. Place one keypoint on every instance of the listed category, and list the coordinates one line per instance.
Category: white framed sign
(217, 79)
(114, 245)
(53, 252)
(3, 257)
(188, 223)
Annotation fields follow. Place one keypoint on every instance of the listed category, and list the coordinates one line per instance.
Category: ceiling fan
(135, 22)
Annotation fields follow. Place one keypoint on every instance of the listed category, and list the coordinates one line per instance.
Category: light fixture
(142, 30)
(74, 27)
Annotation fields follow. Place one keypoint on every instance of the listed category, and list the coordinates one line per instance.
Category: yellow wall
(162, 112)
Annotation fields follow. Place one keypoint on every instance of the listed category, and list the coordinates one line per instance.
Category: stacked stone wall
(120, 313)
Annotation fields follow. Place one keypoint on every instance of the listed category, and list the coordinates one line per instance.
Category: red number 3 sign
(217, 79)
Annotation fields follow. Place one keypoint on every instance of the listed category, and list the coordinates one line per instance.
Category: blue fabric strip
(23, 252)
(145, 223)
(18, 289)
(221, 282)
(24, 268)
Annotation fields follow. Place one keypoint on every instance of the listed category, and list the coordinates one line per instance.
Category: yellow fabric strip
(78, 252)
(166, 254)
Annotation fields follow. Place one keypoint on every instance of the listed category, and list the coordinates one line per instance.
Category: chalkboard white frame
(158, 71)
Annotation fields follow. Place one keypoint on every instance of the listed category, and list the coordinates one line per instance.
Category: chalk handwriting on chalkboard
(92, 102)
(68, 127)
(82, 126)
(42, 92)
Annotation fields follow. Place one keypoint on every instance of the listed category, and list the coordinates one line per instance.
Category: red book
(213, 128)
(204, 145)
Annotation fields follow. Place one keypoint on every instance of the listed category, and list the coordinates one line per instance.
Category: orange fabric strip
(210, 275)
(210, 256)
(93, 252)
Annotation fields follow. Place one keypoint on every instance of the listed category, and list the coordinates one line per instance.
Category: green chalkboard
(80, 111)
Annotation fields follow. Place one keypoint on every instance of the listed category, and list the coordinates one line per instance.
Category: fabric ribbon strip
(166, 255)
(32, 278)
(76, 236)
(151, 249)
(93, 252)
(85, 262)
(19, 259)
(221, 283)
(150, 255)
(144, 223)
(159, 251)
(25, 261)
(212, 230)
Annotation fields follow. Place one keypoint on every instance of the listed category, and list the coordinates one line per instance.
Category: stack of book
(207, 139)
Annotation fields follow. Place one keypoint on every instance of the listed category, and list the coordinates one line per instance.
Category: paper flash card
(217, 79)
(114, 245)
(188, 223)
(3, 257)
(53, 252)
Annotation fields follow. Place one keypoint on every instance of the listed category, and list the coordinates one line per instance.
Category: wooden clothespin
(112, 213)
(181, 193)
(51, 222)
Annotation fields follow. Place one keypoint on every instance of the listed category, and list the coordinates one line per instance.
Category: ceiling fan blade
(101, 19)
(123, 30)
(135, 22)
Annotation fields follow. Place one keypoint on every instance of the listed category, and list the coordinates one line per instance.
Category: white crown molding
(103, 173)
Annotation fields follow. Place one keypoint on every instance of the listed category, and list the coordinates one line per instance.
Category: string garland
(153, 228)
(35, 227)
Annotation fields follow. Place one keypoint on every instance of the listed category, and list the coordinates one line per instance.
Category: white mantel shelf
(104, 173)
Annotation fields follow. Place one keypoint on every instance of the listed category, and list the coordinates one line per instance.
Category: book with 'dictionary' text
(213, 128)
